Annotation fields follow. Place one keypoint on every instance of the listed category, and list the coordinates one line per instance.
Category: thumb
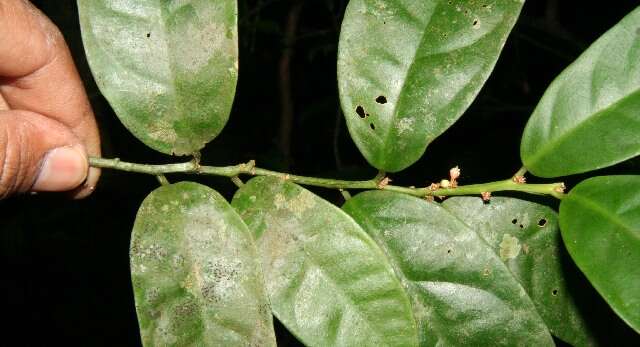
(38, 154)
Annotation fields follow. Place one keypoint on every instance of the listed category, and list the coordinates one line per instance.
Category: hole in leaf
(521, 226)
(554, 292)
(360, 111)
(476, 23)
(514, 221)
(542, 222)
(381, 99)
(148, 35)
(449, 251)
(373, 127)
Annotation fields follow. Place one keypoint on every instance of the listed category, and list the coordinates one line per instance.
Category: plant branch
(378, 182)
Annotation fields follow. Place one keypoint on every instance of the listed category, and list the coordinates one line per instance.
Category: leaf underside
(527, 238)
(328, 282)
(168, 68)
(407, 70)
(600, 223)
(195, 272)
(462, 293)
(589, 117)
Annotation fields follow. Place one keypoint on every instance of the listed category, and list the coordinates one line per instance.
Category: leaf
(195, 272)
(168, 68)
(462, 293)
(407, 70)
(527, 238)
(589, 117)
(328, 282)
(600, 224)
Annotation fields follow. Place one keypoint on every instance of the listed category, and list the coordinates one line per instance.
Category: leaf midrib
(179, 102)
(314, 261)
(590, 204)
(553, 142)
(394, 113)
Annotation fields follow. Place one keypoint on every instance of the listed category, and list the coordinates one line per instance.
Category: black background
(65, 272)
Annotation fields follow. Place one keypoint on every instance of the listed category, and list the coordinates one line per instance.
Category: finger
(38, 154)
(40, 76)
(3, 104)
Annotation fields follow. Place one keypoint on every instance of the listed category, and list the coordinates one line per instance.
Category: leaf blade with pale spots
(168, 69)
(527, 238)
(328, 282)
(195, 275)
(407, 70)
(461, 291)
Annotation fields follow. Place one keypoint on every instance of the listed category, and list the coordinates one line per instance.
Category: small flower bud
(454, 173)
(519, 179)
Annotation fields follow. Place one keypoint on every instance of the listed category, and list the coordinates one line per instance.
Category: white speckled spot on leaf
(509, 247)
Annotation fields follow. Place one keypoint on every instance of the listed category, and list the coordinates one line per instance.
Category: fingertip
(62, 169)
(89, 184)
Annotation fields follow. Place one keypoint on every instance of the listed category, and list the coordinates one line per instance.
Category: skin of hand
(47, 127)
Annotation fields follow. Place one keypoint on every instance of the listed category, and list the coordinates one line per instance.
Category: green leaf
(589, 117)
(462, 293)
(168, 68)
(328, 282)
(195, 272)
(527, 238)
(408, 69)
(600, 223)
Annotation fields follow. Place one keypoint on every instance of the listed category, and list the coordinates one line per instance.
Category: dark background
(65, 272)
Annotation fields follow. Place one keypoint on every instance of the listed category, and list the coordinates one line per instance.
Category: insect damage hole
(554, 292)
(360, 111)
(542, 222)
(148, 35)
(372, 126)
(514, 221)
(381, 99)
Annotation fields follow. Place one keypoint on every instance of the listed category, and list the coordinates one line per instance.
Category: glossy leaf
(526, 236)
(462, 293)
(168, 68)
(407, 70)
(589, 117)
(328, 282)
(195, 273)
(600, 223)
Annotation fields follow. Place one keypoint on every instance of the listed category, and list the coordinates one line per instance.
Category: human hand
(47, 127)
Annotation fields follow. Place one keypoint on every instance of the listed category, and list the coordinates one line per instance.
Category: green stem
(237, 181)
(163, 180)
(193, 167)
(521, 172)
